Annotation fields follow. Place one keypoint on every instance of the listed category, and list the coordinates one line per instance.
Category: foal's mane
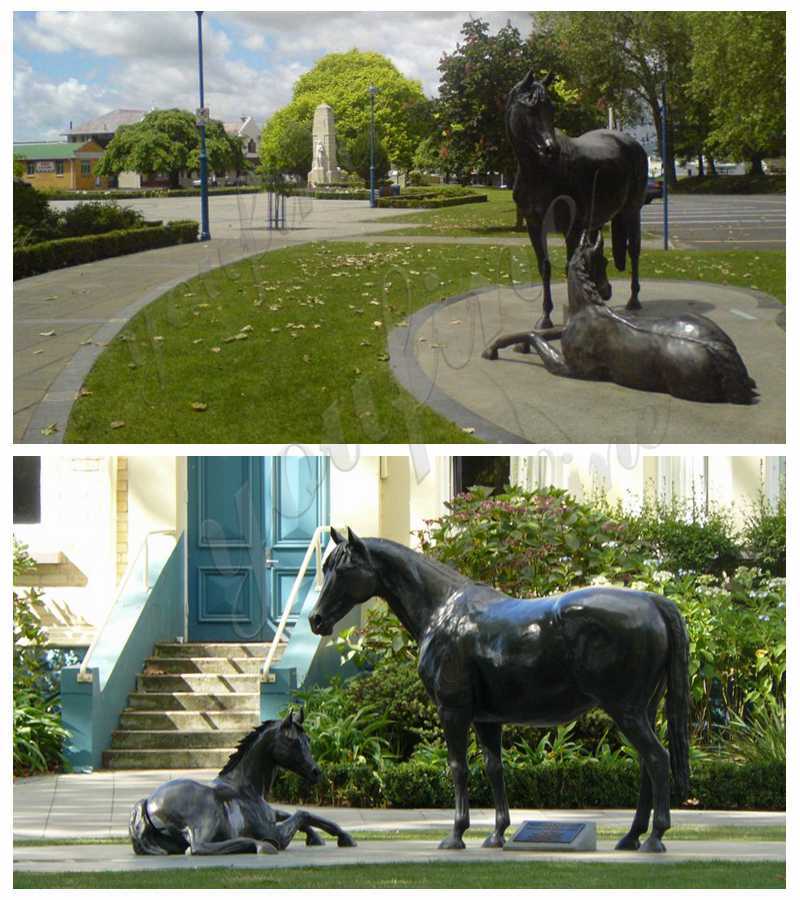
(245, 745)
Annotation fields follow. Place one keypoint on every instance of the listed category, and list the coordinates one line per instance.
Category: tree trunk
(756, 165)
(701, 169)
(175, 179)
(712, 166)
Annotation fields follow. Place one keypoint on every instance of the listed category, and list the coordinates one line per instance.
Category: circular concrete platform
(437, 358)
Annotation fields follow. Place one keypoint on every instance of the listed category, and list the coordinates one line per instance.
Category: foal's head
(529, 116)
(586, 274)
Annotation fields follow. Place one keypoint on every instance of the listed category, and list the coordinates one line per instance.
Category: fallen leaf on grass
(118, 423)
(54, 297)
(37, 352)
(85, 392)
(469, 430)
(46, 333)
(216, 349)
(199, 407)
(52, 428)
(197, 341)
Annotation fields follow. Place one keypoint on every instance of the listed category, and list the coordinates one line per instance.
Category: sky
(73, 66)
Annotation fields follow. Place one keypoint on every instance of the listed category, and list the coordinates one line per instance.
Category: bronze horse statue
(582, 182)
(688, 356)
(486, 659)
(231, 815)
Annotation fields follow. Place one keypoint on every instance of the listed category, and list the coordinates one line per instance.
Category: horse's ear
(301, 715)
(527, 81)
(287, 719)
(336, 537)
(355, 543)
(549, 79)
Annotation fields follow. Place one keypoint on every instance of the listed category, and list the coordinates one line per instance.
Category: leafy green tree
(19, 167)
(286, 145)
(168, 141)
(739, 67)
(357, 158)
(621, 58)
(402, 115)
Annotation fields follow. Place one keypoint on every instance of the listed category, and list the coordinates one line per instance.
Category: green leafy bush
(429, 202)
(765, 535)
(38, 735)
(33, 219)
(97, 217)
(58, 254)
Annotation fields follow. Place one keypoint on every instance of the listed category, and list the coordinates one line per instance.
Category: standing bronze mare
(587, 181)
(486, 659)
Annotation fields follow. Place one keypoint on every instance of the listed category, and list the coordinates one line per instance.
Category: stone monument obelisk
(324, 167)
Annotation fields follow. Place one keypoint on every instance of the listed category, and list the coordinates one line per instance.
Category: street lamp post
(372, 92)
(664, 179)
(204, 232)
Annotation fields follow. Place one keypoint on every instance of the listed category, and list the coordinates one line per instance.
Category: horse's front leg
(539, 242)
(553, 361)
(634, 226)
(312, 838)
(304, 821)
(456, 729)
(234, 845)
(490, 739)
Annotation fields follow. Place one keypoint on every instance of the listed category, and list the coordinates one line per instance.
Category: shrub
(429, 202)
(97, 218)
(765, 535)
(38, 735)
(33, 218)
(58, 254)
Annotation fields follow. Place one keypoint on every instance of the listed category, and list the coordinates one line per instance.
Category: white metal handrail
(83, 674)
(314, 549)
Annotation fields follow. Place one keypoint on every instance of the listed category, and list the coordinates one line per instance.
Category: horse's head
(586, 274)
(349, 579)
(529, 116)
(291, 748)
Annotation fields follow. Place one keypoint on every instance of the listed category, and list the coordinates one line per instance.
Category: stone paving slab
(107, 857)
(515, 399)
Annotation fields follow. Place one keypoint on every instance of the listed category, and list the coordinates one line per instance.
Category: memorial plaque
(554, 836)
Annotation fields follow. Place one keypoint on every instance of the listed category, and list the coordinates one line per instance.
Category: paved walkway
(64, 319)
(97, 805)
(514, 399)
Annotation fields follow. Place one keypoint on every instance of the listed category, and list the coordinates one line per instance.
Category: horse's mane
(245, 745)
(419, 558)
(579, 272)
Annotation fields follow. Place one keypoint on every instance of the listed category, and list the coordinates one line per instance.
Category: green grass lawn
(524, 874)
(497, 217)
(290, 346)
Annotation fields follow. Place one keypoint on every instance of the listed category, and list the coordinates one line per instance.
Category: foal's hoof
(522, 347)
(490, 353)
(314, 840)
(344, 840)
(264, 848)
(629, 842)
(495, 841)
(653, 845)
(452, 843)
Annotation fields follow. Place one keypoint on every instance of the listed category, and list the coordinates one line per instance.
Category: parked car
(212, 181)
(655, 190)
(235, 180)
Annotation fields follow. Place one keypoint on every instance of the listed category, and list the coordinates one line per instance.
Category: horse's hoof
(489, 353)
(344, 840)
(627, 843)
(653, 845)
(187, 851)
(452, 843)
(633, 304)
(544, 322)
(314, 840)
(495, 841)
(264, 848)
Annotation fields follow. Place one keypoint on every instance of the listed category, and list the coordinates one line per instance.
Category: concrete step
(203, 665)
(171, 650)
(177, 740)
(187, 720)
(199, 684)
(195, 702)
(166, 759)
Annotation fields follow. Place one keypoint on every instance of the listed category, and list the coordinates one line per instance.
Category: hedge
(429, 203)
(730, 184)
(146, 193)
(59, 254)
(569, 785)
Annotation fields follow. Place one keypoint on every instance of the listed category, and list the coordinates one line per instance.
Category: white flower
(662, 577)
(639, 586)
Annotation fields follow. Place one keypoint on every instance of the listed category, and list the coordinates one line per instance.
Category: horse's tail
(735, 383)
(619, 240)
(146, 839)
(677, 696)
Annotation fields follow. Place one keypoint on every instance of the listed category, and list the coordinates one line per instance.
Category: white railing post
(315, 548)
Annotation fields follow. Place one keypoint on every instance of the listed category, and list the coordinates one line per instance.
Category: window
(30, 167)
(487, 471)
(27, 490)
(59, 167)
(251, 146)
(86, 167)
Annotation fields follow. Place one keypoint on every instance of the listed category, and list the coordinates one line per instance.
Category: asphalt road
(709, 222)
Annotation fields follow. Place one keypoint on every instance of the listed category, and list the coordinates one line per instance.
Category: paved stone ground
(514, 399)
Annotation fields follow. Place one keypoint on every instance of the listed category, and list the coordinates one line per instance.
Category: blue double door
(250, 521)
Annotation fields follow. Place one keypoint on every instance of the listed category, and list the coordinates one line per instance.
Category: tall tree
(623, 57)
(739, 66)
(168, 141)
(402, 116)
(474, 83)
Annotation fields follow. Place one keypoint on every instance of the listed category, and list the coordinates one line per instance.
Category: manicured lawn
(436, 875)
(290, 346)
(495, 217)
